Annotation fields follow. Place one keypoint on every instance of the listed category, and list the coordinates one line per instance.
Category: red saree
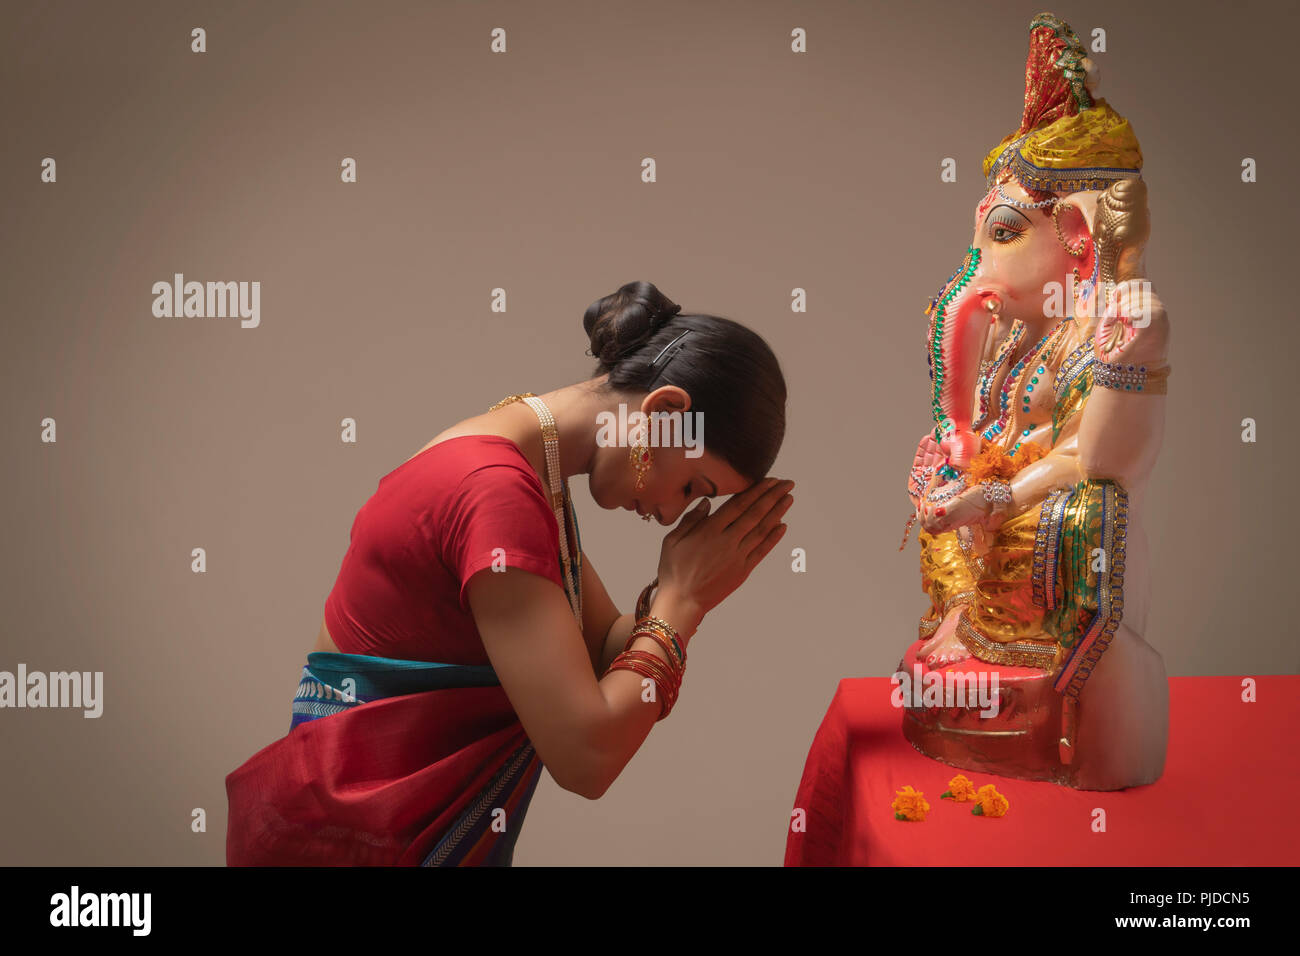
(441, 777)
(411, 761)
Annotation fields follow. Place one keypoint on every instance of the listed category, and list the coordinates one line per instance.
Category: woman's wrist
(681, 612)
(645, 598)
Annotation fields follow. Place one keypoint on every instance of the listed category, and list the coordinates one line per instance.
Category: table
(1229, 796)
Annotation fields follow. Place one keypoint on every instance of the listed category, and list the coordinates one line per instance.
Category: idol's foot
(944, 648)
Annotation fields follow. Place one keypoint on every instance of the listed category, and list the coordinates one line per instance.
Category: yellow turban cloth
(1089, 150)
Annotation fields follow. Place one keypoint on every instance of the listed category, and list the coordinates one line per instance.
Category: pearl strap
(559, 493)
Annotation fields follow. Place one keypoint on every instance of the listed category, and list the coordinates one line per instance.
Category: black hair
(729, 371)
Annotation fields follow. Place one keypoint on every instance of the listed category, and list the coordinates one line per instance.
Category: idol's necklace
(1042, 354)
(1004, 352)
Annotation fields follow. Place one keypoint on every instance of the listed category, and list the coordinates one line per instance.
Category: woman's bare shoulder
(486, 424)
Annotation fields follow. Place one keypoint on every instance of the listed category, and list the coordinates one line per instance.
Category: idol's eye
(688, 491)
(1004, 233)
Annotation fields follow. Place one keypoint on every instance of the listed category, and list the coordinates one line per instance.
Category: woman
(468, 641)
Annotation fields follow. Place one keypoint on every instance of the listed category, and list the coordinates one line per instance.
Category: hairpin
(668, 346)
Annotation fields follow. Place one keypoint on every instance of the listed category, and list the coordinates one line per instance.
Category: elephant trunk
(958, 335)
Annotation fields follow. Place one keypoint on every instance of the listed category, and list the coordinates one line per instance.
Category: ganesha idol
(1048, 364)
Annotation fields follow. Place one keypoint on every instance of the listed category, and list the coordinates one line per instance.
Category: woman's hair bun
(664, 315)
(620, 323)
(730, 374)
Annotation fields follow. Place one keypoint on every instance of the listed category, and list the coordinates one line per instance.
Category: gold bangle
(675, 662)
(674, 648)
(668, 630)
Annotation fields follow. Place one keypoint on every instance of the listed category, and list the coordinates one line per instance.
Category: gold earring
(642, 458)
(1076, 251)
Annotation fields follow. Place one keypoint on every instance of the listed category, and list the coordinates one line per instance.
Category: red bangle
(663, 676)
(636, 667)
(651, 666)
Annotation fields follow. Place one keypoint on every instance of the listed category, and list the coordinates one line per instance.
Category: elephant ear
(1075, 224)
(1122, 225)
(1086, 202)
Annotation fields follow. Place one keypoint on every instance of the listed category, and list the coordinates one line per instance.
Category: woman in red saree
(468, 641)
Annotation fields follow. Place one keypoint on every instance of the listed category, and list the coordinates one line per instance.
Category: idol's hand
(1134, 328)
(707, 556)
(927, 459)
(968, 508)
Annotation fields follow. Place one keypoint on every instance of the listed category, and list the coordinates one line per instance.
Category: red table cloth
(1229, 796)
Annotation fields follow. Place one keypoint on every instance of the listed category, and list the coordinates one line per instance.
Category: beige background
(521, 170)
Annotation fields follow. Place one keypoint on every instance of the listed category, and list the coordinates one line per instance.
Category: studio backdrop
(417, 202)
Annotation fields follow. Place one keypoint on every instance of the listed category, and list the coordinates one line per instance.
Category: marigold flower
(1029, 453)
(959, 789)
(990, 803)
(991, 463)
(910, 805)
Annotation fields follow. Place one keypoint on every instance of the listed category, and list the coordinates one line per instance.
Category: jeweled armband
(940, 495)
(997, 493)
(1130, 378)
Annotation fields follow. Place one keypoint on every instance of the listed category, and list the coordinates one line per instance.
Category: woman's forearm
(630, 714)
(621, 629)
(614, 641)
